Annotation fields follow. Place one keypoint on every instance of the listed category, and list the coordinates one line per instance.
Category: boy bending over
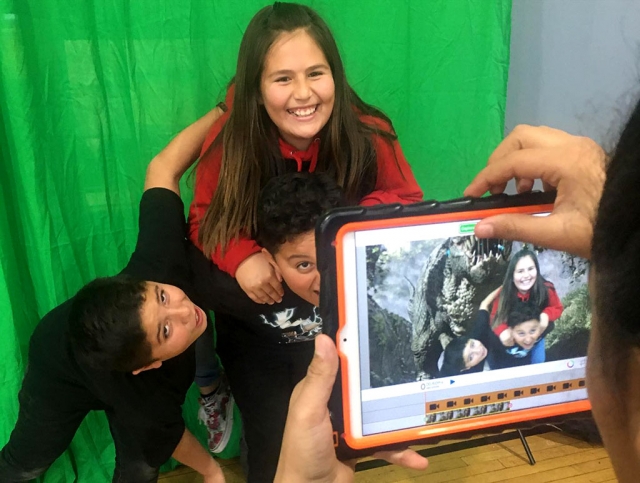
(123, 345)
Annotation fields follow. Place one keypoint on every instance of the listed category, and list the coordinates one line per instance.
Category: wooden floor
(559, 458)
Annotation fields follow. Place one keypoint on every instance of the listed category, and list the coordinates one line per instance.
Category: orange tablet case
(329, 233)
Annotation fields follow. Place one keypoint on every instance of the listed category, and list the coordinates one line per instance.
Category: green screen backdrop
(91, 90)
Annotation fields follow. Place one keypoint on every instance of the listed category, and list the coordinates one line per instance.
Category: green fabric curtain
(91, 90)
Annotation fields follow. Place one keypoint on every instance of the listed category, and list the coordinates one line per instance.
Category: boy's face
(473, 353)
(526, 334)
(296, 261)
(172, 322)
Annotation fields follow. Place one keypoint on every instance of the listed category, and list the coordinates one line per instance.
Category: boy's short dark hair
(523, 312)
(105, 327)
(453, 363)
(290, 205)
(453, 359)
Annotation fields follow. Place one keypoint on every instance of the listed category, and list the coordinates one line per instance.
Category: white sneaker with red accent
(216, 413)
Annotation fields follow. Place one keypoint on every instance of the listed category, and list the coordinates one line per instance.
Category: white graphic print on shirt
(295, 330)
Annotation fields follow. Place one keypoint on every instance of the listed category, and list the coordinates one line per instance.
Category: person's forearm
(185, 147)
(486, 303)
(190, 452)
(544, 322)
(168, 166)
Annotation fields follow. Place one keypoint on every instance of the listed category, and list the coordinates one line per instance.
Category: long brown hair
(250, 150)
(538, 294)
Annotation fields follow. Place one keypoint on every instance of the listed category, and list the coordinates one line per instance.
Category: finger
(312, 394)
(272, 294)
(528, 164)
(259, 297)
(546, 231)
(406, 458)
(514, 141)
(524, 185)
(275, 287)
(524, 136)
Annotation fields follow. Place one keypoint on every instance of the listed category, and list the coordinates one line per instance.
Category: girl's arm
(554, 308)
(395, 182)
(502, 326)
(241, 258)
(544, 321)
(168, 166)
(207, 177)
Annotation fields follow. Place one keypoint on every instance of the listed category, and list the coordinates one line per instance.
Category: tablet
(440, 333)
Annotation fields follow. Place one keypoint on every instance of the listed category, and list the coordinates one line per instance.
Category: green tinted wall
(90, 91)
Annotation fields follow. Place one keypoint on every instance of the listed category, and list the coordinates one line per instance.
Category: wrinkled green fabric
(91, 90)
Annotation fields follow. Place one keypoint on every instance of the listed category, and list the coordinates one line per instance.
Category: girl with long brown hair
(289, 108)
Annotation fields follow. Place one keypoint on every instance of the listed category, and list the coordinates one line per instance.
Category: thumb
(314, 390)
(539, 230)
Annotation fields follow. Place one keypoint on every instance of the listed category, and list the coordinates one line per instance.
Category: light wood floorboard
(559, 458)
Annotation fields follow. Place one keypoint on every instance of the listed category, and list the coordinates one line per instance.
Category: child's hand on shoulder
(544, 322)
(260, 280)
(506, 337)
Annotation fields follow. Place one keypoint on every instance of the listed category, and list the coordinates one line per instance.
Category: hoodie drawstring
(311, 154)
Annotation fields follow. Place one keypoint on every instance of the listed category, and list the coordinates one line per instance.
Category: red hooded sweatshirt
(395, 182)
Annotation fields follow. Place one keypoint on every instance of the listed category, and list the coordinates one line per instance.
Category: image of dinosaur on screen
(460, 305)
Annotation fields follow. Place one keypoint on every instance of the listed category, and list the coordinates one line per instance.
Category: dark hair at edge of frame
(291, 204)
(509, 294)
(616, 257)
(251, 154)
(105, 328)
(523, 312)
(453, 361)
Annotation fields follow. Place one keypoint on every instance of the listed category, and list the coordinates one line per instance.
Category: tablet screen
(444, 332)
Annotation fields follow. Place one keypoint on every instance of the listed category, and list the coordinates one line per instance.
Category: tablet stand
(527, 450)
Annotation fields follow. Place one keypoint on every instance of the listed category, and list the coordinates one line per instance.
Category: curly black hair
(290, 205)
(523, 312)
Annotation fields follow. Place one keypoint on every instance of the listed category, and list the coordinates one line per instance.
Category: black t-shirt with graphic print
(291, 321)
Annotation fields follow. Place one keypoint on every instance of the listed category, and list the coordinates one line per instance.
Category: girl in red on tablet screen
(524, 283)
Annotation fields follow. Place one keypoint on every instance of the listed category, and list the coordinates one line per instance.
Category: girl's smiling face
(297, 87)
(525, 274)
